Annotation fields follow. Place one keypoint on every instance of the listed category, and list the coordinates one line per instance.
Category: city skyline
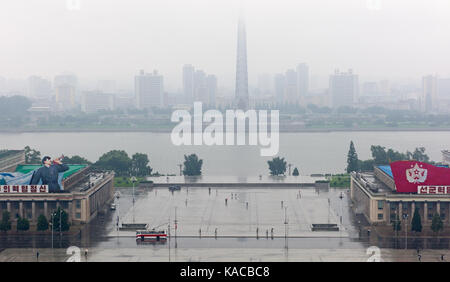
(380, 48)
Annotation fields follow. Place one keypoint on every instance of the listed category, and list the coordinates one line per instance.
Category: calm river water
(323, 152)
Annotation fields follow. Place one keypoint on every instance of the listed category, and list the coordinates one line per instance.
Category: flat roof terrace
(72, 169)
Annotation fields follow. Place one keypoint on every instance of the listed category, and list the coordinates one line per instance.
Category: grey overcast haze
(114, 39)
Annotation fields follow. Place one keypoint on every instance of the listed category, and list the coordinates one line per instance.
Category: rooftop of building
(25, 168)
(8, 153)
(369, 181)
(379, 186)
(79, 178)
(91, 179)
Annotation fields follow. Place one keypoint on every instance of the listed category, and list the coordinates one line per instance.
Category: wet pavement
(236, 223)
(234, 212)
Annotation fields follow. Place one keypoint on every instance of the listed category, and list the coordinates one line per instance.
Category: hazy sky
(113, 39)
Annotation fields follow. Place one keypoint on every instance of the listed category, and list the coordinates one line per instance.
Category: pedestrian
(442, 257)
(86, 253)
(37, 255)
(420, 257)
(226, 201)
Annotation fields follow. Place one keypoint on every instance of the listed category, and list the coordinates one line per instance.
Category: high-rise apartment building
(343, 88)
(429, 93)
(291, 88)
(188, 83)
(279, 83)
(303, 79)
(94, 101)
(149, 90)
(39, 87)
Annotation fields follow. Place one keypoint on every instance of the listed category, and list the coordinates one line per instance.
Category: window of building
(78, 215)
(78, 204)
(380, 205)
(380, 216)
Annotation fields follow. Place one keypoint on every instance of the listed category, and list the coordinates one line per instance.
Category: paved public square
(236, 212)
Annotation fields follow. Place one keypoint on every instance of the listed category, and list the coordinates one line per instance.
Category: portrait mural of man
(49, 173)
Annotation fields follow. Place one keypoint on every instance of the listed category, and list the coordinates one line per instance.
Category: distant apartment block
(279, 83)
(199, 86)
(39, 87)
(94, 101)
(343, 88)
(429, 93)
(65, 96)
(188, 83)
(149, 90)
(303, 79)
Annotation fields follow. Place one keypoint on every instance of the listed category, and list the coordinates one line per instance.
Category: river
(321, 152)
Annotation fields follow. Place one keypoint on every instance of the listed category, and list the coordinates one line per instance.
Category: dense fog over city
(400, 40)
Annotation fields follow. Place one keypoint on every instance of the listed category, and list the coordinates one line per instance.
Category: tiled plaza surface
(236, 212)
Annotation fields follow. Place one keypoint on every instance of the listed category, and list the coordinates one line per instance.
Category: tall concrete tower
(241, 98)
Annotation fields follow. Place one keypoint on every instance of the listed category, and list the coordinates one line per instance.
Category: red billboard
(409, 175)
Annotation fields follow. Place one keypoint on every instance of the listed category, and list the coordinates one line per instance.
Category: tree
(22, 224)
(418, 155)
(32, 156)
(5, 224)
(277, 166)
(416, 224)
(42, 223)
(295, 172)
(64, 220)
(437, 224)
(14, 106)
(366, 165)
(139, 165)
(76, 160)
(115, 160)
(352, 159)
(379, 155)
(192, 165)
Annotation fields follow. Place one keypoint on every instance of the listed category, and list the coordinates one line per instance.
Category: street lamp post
(180, 165)
(133, 179)
(60, 234)
(405, 217)
(52, 227)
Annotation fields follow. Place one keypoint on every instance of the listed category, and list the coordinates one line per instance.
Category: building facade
(376, 196)
(94, 101)
(149, 90)
(86, 193)
(343, 88)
